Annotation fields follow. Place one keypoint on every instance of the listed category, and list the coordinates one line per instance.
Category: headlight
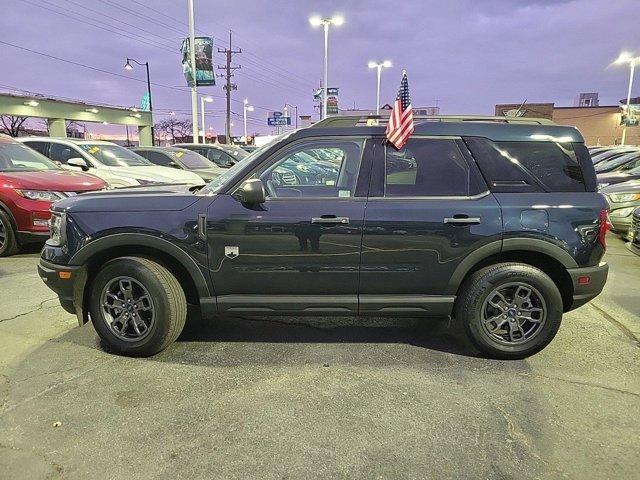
(147, 182)
(57, 229)
(622, 212)
(41, 195)
(624, 197)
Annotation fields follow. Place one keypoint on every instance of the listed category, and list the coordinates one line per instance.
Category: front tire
(137, 306)
(509, 310)
(8, 242)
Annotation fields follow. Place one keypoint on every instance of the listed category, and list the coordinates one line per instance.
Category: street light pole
(379, 67)
(628, 58)
(194, 88)
(202, 100)
(246, 108)
(325, 22)
(128, 66)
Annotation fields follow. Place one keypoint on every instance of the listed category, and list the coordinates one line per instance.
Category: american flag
(400, 125)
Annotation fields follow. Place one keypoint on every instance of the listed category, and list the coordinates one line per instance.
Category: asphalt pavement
(294, 398)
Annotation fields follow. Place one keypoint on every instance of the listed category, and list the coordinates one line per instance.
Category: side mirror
(174, 165)
(251, 192)
(81, 163)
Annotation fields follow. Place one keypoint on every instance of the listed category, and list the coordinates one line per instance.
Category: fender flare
(500, 246)
(137, 239)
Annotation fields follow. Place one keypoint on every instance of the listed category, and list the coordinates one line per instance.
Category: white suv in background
(118, 166)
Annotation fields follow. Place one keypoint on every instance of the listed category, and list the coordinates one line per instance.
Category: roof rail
(373, 120)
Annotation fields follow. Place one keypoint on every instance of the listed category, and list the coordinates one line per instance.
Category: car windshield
(236, 152)
(191, 160)
(216, 184)
(15, 157)
(613, 163)
(115, 155)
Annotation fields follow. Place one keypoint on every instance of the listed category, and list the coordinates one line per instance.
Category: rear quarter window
(533, 166)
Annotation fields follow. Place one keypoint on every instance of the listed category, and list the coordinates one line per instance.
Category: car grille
(635, 224)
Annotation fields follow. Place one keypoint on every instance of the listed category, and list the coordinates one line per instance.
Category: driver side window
(314, 169)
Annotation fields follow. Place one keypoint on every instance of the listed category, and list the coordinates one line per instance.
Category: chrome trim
(459, 197)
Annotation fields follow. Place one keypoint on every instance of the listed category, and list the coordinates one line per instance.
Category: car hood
(623, 187)
(131, 199)
(157, 174)
(208, 174)
(616, 177)
(53, 180)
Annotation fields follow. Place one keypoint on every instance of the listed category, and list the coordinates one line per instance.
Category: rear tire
(8, 242)
(137, 306)
(509, 310)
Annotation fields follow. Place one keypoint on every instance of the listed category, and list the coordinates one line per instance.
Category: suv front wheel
(509, 310)
(137, 306)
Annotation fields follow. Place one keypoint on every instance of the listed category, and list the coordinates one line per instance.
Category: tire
(160, 306)
(8, 242)
(498, 325)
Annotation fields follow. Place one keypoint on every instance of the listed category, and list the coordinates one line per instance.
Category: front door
(428, 211)
(299, 251)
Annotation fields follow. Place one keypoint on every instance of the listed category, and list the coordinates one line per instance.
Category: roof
(493, 128)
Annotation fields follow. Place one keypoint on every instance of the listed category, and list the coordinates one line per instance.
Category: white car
(118, 166)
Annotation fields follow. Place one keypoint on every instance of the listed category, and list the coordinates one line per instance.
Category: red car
(29, 184)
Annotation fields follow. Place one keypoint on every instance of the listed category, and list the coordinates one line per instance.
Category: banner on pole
(204, 62)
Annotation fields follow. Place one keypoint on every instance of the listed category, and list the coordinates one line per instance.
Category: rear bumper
(585, 292)
(70, 290)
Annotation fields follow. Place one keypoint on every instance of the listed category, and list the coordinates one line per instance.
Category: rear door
(428, 212)
(299, 251)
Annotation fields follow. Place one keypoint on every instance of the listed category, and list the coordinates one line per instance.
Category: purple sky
(466, 54)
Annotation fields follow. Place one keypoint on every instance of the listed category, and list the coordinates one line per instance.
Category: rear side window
(40, 147)
(531, 166)
(426, 168)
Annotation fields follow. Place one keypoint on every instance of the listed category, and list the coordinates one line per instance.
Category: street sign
(276, 114)
(331, 92)
(145, 101)
(278, 121)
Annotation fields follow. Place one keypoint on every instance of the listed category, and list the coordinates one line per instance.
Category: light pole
(192, 60)
(336, 20)
(202, 101)
(627, 58)
(128, 66)
(246, 108)
(379, 67)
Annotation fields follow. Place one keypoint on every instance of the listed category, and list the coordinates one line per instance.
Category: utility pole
(229, 86)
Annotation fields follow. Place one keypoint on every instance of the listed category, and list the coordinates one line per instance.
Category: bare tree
(12, 125)
(177, 129)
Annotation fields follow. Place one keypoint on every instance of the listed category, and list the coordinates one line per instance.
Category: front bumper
(68, 283)
(621, 225)
(585, 292)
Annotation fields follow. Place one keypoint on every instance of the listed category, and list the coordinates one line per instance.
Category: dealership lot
(318, 398)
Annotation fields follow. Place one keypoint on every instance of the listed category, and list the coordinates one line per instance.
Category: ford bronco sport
(493, 222)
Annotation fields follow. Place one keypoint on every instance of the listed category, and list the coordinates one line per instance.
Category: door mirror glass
(251, 192)
(174, 165)
(78, 162)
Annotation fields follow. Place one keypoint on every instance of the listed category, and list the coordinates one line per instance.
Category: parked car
(224, 156)
(118, 166)
(180, 158)
(618, 176)
(628, 161)
(494, 224)
(612, 154)
(634, 233)
(249, 148)
(623, 199)
(29, 184)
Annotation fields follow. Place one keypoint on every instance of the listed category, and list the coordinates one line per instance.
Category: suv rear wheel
(8, 243)
(137, 306)
(510, 310)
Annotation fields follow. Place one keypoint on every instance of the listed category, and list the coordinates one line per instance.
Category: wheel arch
(549, 258)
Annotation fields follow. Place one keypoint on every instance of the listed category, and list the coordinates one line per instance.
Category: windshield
(216, 184)
(190, 160)
(15, 157)
(114, 155)
(236, 152)
(612, 163)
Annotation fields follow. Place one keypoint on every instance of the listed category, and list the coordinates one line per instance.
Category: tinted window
(426, 168)
(62, 153)
(528, 166)
(318, 168)
(40, 147)
(157, 158)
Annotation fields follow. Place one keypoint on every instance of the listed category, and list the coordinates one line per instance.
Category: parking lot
(318, 398)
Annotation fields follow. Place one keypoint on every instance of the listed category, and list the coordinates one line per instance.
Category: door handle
(330, 219)
(461, 220)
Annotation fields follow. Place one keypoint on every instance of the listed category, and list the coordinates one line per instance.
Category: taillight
(605, 226)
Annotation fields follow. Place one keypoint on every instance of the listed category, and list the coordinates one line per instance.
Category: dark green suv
(496, 224)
